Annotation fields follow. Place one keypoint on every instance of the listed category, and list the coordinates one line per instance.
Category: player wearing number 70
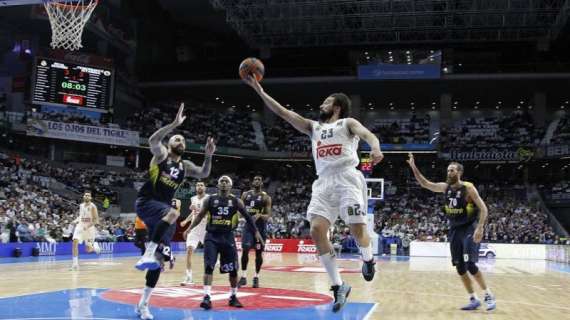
(467, 214)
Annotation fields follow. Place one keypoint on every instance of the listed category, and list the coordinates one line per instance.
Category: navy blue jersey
(164, 180)
(458, 209)
(222, 213)
(255, 205)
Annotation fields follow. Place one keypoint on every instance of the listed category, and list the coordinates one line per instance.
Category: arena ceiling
(315, 23)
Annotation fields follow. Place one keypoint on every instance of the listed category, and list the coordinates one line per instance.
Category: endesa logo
(306, 248)
(328, 150)
(273, 247)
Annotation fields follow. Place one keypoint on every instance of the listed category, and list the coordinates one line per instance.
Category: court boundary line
(371, 311)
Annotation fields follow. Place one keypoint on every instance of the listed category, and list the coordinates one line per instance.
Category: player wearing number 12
(340, 189)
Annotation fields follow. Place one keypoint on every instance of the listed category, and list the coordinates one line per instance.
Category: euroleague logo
(191, 296)
(328, 150)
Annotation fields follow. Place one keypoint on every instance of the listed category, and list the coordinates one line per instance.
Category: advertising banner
(505, 155)
(79, 132)
(399, 71)
(489, 250)
(287, 245)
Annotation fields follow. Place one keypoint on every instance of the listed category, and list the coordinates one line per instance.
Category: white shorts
(344, 193)
(195, 237)
(84, 235)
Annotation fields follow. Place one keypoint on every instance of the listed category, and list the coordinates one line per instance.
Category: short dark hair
(458, 165)
(343, 101)
(258, 175)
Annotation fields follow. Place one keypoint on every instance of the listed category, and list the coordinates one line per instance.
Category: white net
(67, 19)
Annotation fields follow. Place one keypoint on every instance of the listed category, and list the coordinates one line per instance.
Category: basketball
(251, 66)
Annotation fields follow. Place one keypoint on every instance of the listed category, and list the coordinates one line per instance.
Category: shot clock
(72, 84)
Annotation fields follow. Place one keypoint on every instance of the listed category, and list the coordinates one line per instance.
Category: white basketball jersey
(198, 203)
(334, 148)
(85, 213)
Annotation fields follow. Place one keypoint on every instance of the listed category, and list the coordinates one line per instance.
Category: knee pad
(461, 268)
(152, 277)
(209, 270)
(472, 267)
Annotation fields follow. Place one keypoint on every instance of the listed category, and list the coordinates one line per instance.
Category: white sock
(256, 275)
(488, 291)
(150, 249)
(367, 252)
(207, 290)
(189, 273)
(473, 296)
(329, 262)
(75, 261)
(244, 273)
(233, 291)
(146, 295)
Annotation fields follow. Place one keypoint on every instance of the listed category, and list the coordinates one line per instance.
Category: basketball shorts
(82, 234)
(343, 194)
(461, 244)
(223, 244)
(151, 212)
(248, 239)
(196, 236)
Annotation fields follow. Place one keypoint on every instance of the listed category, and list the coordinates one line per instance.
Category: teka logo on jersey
(306, 248)
(328, 150)
(107, 247)
(47, 248)
(273, 247)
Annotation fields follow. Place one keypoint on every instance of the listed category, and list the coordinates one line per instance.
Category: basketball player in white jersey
(197, 234)
(340, 189)
(85, 229)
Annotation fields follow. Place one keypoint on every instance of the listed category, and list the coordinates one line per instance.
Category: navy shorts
(249, 241)
(151, 212)
(223, 244)
(461, 244)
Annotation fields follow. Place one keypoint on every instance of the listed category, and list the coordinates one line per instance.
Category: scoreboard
(72, 84)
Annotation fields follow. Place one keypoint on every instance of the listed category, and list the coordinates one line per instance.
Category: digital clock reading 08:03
(74, 86)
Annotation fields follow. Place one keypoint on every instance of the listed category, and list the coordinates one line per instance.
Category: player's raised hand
(410, 160)
(180, 117)
(376, 155)
(252, 82)
(210, 146)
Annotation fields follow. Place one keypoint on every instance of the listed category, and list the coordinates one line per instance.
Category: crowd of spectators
(400, 131)
(503, 131)
(562, 133)
(281, 136)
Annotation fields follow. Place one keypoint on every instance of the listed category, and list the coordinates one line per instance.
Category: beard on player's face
(177, 149)
(325, 115)
(452, 179)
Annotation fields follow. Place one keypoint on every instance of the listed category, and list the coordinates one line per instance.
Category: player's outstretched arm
(297, 121)
(425, 183)
(483, 212)
(157, 148)
(204, 171)
(361, 131)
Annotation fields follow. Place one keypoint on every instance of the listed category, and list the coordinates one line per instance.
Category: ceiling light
(500, 102)
(217, 98)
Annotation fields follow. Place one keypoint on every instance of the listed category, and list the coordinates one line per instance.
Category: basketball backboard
(7, 3)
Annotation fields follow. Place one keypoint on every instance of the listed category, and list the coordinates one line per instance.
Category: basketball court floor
(293, 287)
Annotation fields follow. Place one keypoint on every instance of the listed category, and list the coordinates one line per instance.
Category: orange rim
(59, 4)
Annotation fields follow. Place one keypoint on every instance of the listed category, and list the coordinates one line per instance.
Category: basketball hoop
(67, 19)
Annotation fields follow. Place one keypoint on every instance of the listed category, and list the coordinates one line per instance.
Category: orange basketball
(251, 66)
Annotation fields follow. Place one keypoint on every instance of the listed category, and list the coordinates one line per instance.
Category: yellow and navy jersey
(222, 213)
(255, 204)
(164, 180)
(458, 208)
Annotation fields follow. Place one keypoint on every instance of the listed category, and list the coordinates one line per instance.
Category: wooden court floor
(414, 288)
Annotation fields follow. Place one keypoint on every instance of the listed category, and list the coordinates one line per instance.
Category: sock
(150, 249)
(488, 291)
(207, 290)
(233, 291)
(256, 275)
(367, 252)
(473, 296)
(145, 297)
(244, 273)
(189, 273)
(329, 262)
(160, 230)
(75, 261)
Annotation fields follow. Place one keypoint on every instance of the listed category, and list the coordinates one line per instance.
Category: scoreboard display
(72, 84)
(366, 164)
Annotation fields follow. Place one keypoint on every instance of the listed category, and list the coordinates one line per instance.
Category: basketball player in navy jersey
(341, 189)
(222, 209)
(467, 214)
(154, 202)
(258, 205)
